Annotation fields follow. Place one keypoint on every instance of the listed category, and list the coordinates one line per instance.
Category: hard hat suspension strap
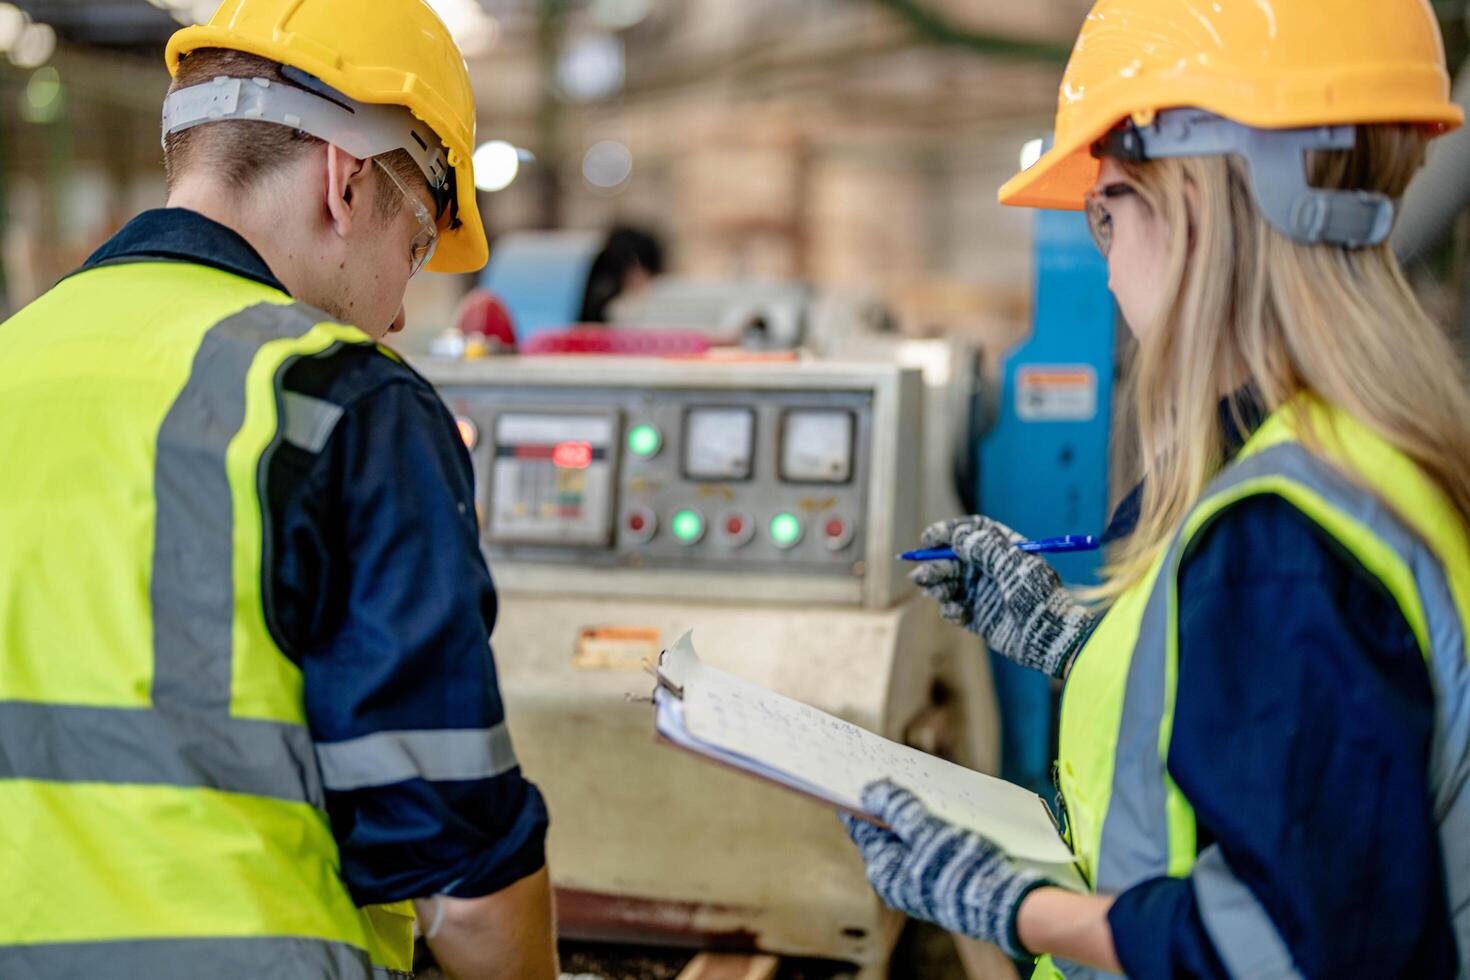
(363, 129)
(1277, 162)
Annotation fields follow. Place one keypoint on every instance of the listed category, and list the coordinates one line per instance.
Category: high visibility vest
(1127, 821)
(163, 807)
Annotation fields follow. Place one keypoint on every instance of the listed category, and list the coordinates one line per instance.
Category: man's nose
(399, 321)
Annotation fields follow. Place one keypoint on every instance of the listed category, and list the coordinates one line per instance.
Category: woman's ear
(346, 175)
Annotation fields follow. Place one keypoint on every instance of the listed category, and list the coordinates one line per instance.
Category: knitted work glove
(1012, 599)
(933, 870)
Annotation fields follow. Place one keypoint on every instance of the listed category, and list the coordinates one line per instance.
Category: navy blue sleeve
(1302, 733)
(383, 587)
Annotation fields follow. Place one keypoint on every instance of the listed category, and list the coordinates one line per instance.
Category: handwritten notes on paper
(788, 742)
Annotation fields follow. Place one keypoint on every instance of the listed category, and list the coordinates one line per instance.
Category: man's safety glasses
(421, 249)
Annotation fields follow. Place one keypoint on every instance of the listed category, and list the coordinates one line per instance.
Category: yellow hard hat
(1268, 64)
(393, 52)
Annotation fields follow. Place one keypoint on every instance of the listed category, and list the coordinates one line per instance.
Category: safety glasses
(421, 249)
(1099, 219)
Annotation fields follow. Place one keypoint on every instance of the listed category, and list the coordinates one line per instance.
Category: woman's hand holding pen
(1015, 601)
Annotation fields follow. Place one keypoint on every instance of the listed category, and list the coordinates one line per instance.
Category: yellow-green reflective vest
(163, 809)
(1127, 821)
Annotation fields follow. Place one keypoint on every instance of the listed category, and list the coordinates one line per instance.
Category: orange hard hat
(1268, 64)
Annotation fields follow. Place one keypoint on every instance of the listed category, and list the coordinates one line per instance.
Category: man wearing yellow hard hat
(1264, 755)
(249, 715)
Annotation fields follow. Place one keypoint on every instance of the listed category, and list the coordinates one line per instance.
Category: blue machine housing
(541, 277)
(1044, 464)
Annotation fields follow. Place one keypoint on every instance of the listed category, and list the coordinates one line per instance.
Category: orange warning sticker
(1056, 393)
(617, 647)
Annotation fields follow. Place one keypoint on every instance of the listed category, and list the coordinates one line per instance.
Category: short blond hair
(240, 152)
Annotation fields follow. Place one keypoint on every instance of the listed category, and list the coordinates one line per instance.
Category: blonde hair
(1249, 306)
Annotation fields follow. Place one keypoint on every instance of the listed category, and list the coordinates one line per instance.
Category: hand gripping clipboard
(742, 726)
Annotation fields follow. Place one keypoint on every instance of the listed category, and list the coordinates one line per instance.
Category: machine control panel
(552, 477)
(608, 476)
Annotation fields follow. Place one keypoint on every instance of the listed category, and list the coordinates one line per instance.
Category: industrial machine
(761, 505)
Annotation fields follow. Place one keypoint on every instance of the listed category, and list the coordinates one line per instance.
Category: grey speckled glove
(1014, 600)
(934, 870)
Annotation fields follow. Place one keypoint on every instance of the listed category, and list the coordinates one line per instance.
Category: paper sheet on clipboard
(742, 725)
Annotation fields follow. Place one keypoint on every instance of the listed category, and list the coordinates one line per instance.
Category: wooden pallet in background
(731, 966)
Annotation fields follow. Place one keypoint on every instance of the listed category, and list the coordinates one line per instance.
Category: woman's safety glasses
(421, 249)
(1099, 219)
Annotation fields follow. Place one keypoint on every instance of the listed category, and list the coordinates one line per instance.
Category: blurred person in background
(631, 259)
(1265, 741)
(249, 715)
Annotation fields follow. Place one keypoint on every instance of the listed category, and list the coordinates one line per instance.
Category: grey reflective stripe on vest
(1135, 831)
(193, 587)
(308, 422)
(187, 737)
(384, 758)
(1135, 835)
(1243, 934)
(76, 744)
(214, 958)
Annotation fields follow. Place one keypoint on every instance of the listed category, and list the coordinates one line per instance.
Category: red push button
(836, 533)
(639, 525)
(736, 529)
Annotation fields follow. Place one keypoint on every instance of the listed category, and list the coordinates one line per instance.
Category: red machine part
(483, 314)
(614, 340)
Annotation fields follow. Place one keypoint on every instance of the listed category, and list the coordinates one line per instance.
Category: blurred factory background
(846, 143)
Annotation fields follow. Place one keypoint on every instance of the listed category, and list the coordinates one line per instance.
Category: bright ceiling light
(34, 47)
(13, 22)
(592, 67)
(45, 97)
(607, 165)
(496, 165)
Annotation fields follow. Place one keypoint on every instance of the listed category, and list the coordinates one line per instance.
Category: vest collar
(181, 235)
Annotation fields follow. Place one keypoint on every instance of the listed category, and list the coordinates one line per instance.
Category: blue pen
(1043, 546)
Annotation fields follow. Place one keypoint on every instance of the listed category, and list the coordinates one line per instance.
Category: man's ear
(346, 177)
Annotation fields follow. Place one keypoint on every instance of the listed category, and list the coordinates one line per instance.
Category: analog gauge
(719, 443)
(816, 446)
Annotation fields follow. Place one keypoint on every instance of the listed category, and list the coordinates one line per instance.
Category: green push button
(785, 530)
(644, 441)
(687, 526)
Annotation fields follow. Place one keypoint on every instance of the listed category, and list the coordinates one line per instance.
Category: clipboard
(734, 723)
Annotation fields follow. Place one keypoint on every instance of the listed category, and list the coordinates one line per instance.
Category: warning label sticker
(616, 647)
(1056, 393)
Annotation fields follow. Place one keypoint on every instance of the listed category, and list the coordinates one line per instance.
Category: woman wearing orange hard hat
(1264, 760)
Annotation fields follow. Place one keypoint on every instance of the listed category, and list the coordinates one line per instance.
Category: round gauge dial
(816, 446)
(719, 443)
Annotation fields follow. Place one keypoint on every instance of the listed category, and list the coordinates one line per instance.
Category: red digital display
(572, 455)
